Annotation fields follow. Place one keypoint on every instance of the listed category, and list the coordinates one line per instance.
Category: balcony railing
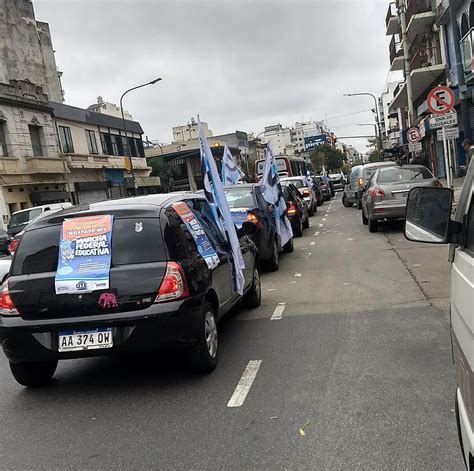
(416, 7)
(424, 52)
(395, 49)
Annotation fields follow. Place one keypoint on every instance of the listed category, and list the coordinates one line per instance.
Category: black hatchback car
(296, 209)
(162, 293)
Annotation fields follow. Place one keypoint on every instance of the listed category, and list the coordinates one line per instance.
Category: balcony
(391, 20)
(37, 165)
(104, 161)
(424, 52)
(419, 17)
(396, 55)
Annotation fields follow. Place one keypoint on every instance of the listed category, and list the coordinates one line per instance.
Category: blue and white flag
(309, 179)
(214, 192)
(273, 194)
(231, 174)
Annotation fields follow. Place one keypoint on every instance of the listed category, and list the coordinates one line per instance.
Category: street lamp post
(378, 134)
(125, 128)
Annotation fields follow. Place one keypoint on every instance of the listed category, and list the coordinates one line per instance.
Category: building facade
(110, 109)
(26, 49)
(280, 139)
(189, 132)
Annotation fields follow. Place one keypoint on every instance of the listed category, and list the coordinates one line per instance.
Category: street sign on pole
(413, 135)
(440, 100)
(451, 133)
(415, 147)
(449, 119)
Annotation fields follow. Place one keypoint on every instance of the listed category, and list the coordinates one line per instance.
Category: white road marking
(278, 312)
(242, 389)
(272, 289)
(350, 238)
(312, 243)
(292, 282)
(298, 275)
(321, 225)
(417, 265)
(317, 233)
(324, 219)
(308, 255)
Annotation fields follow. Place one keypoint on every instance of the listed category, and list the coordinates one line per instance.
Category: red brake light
(7, 307)
(306, 192)
(174, 285)
(252, 217)
(291, 208)
(13, 245)
(376, 191)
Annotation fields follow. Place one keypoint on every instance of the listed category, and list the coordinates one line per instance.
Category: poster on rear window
(203, 244)
(84, 255)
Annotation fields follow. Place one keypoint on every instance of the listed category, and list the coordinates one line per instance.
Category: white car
(4, 268)
(308, 194)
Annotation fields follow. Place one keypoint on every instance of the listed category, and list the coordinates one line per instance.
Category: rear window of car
(240, 197)
(297, 183)
(392, 175)
(133, 241)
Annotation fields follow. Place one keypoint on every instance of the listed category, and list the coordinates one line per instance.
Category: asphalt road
(355, 374)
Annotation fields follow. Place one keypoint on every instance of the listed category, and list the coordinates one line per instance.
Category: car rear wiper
(414, 176)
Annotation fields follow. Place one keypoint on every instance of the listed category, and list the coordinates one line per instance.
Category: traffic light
(127, 164)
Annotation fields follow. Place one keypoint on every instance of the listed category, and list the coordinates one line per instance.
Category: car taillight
(376, 191)
(438, 184)
(360, 181)
(13, 245)
(7, 307)
(306, 192)
(291, 209)
(252, 217)
(174, 285)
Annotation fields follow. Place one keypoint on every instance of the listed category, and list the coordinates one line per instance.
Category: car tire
(202, 358)
(289, 247)
(305, 224)
(273, 262)
(346, 203)
(373, 225)
(365, 221)
(33, 373)
(310, 212)
(298, 232)
(358, 202)
(253, 298)
(315, 208)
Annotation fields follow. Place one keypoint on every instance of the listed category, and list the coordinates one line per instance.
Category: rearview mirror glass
(428, 215)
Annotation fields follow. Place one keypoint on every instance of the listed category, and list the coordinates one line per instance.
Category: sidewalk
(457, 184)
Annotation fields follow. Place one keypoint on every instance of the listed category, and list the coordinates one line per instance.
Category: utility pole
(406, 55)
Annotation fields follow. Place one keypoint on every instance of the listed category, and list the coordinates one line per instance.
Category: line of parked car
(380, 190)
(161, 292)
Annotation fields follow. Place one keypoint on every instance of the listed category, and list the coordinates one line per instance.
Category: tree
(374, 154)
(327, 155)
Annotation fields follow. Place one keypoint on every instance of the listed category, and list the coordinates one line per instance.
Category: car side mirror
(248, 228)
(428, 216)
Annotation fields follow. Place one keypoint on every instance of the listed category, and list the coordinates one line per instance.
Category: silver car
(385, 194)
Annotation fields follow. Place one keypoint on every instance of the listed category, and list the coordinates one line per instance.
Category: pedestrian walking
(469, 149)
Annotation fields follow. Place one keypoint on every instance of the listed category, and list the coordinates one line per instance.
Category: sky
(239, 64)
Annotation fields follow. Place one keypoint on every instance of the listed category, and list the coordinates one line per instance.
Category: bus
(287, 166)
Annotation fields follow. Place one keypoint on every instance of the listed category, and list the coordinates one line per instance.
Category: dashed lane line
(278, 312)
(243, 387)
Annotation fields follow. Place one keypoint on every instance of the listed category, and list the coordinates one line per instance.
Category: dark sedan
(4, 242)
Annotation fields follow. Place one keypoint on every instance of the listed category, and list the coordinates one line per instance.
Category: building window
(118, 145)
(66, 140)
(140, 149)
(91, 142)
(132, 147)
(36, 140)
(3, 142)
(107, 146)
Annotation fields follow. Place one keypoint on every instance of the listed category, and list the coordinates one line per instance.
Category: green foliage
(327, 155)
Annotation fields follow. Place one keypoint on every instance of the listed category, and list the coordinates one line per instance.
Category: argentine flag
(273, 194)
(214, 192)
(231, 174)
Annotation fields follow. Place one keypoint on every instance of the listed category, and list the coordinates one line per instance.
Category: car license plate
(76, 340)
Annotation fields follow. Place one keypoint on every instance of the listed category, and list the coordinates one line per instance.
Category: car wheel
(33, 373)
(310, 211)
(305, 224)
(203, 356)
(273, 262)
(365, 221)
(358, 202)
(253, 298)
(289, 246)
(373, 225)
(315, 208)
(346, 203)
(298, 232)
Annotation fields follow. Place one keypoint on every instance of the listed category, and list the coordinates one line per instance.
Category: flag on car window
(309, 179)
(231, 174)
(214, 192)
(273, 194)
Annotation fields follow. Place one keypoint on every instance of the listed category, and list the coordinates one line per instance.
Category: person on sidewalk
(469, 149)
(421, 160)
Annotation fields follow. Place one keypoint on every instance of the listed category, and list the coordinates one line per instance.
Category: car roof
(298, 177)
(138, 206)
(241, 185)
